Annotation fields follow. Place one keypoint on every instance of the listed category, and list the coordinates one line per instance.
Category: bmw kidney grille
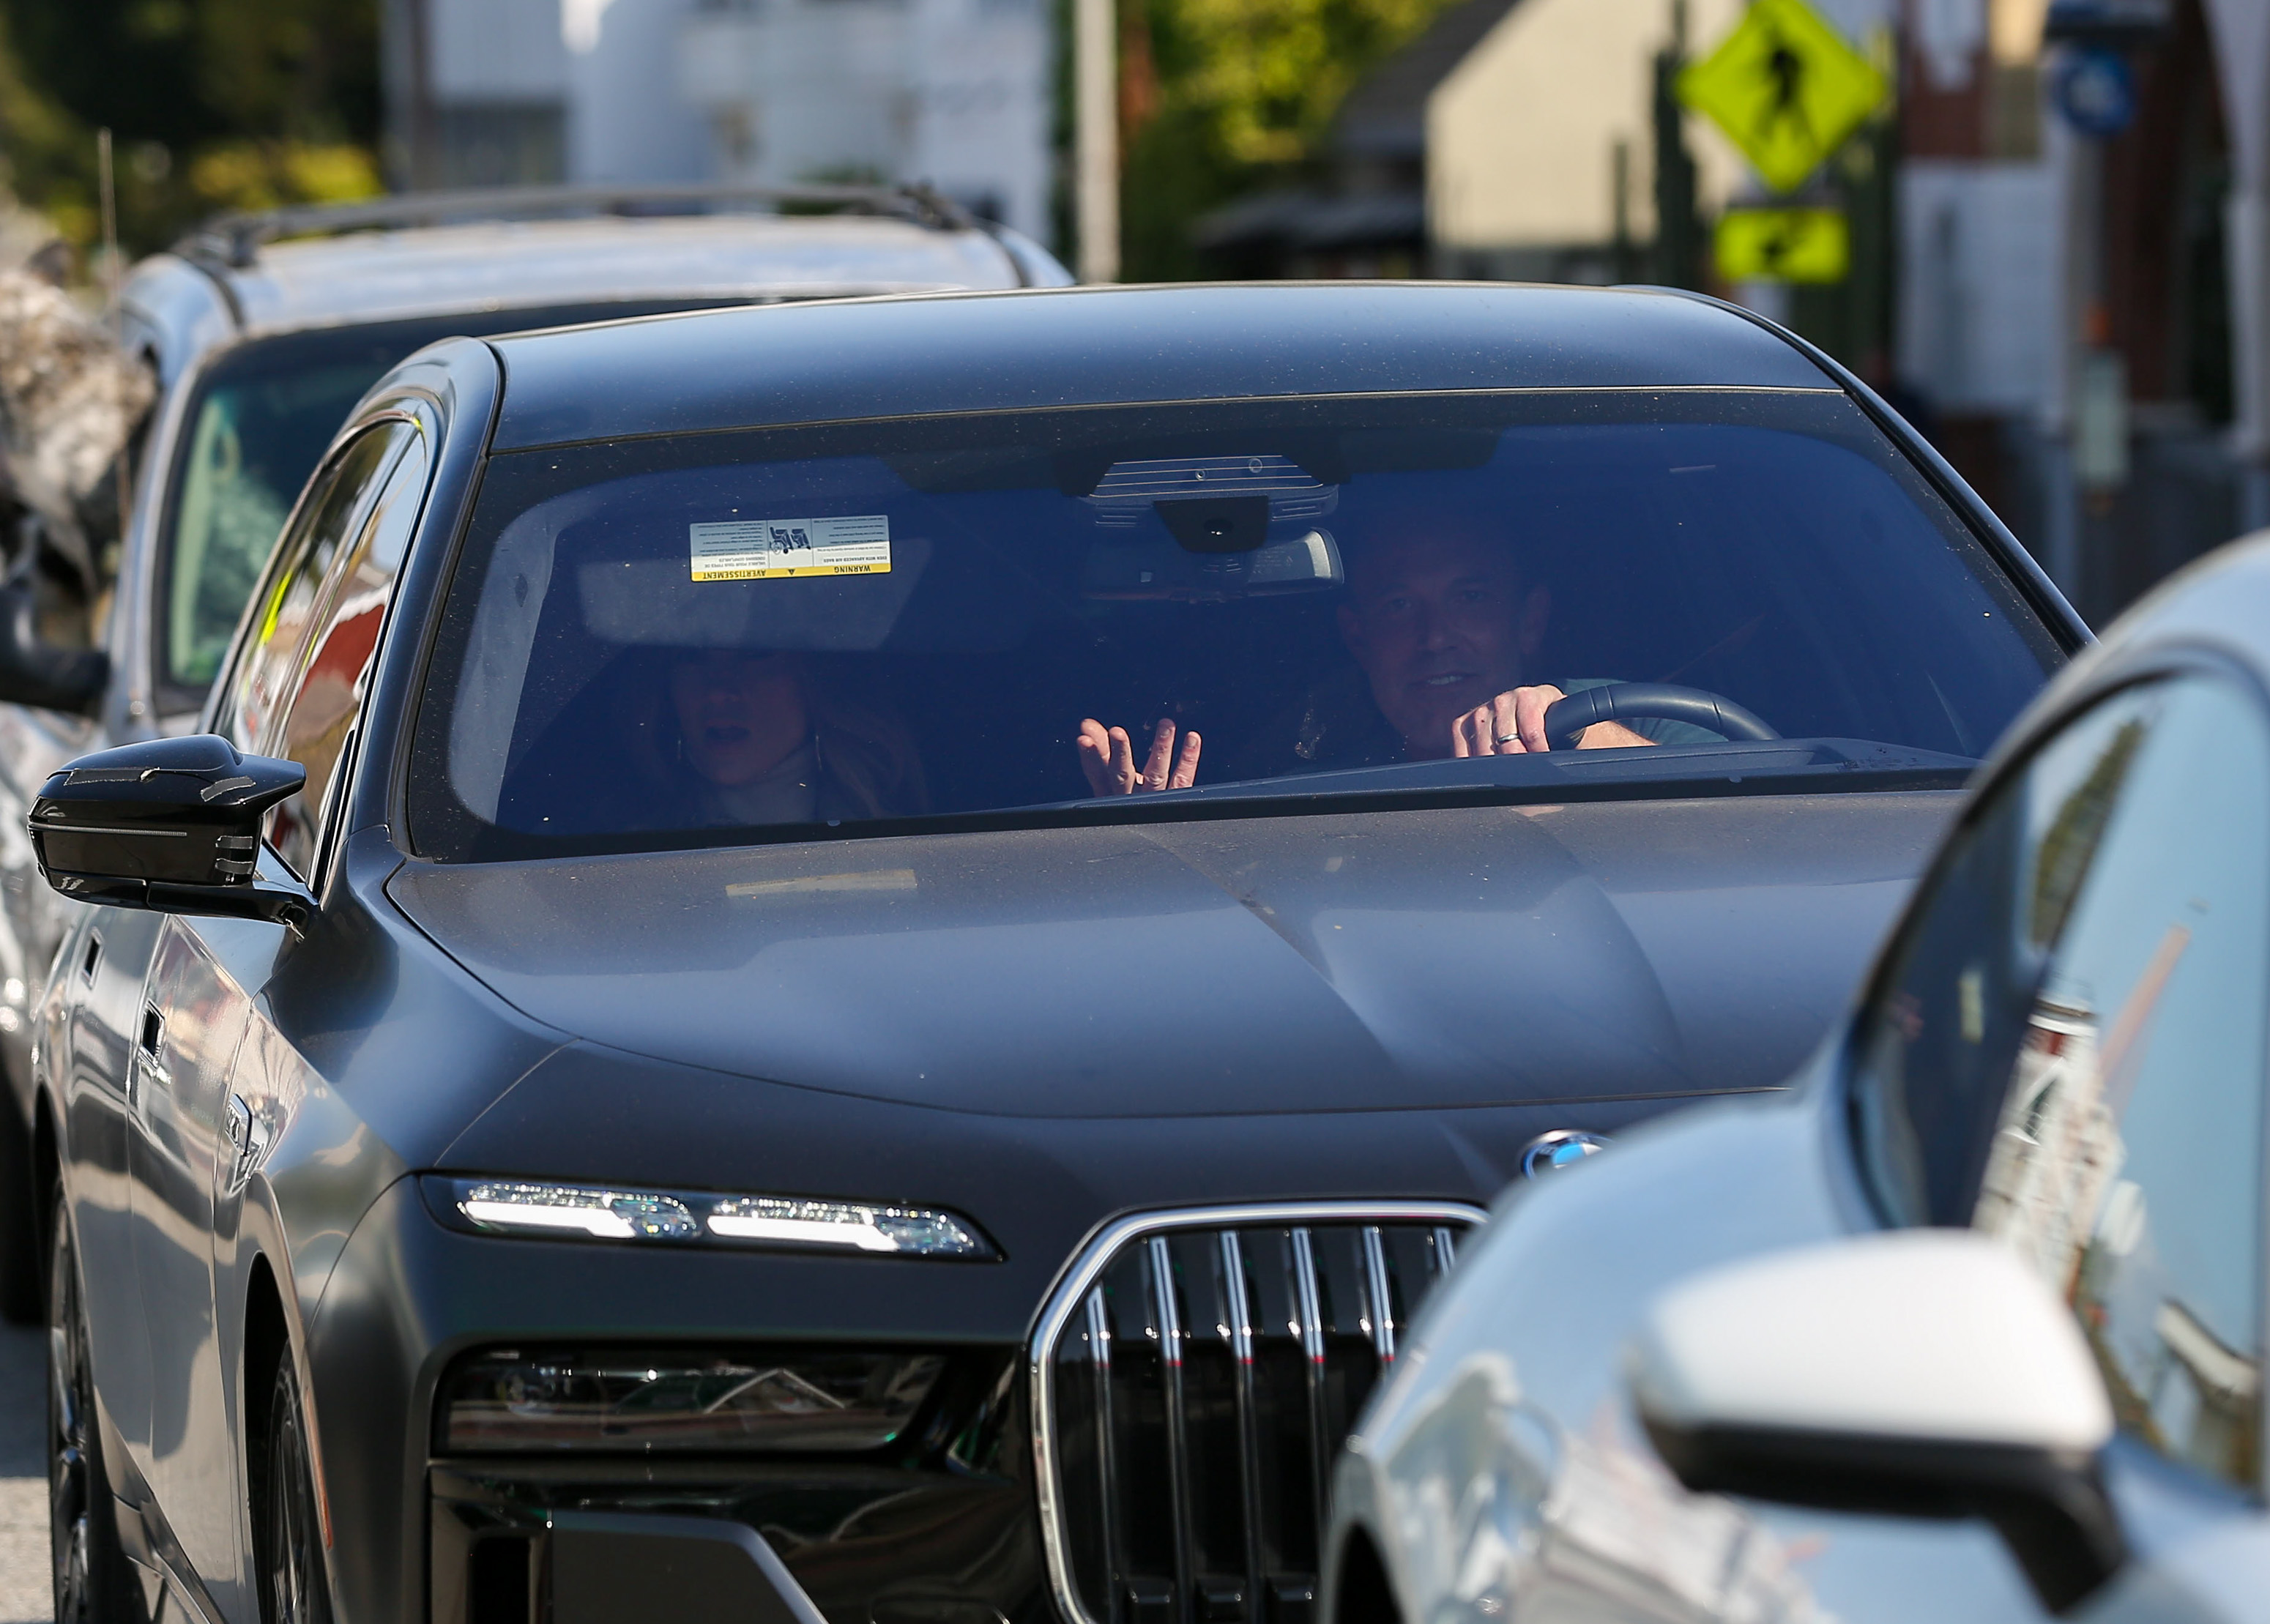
(1194, 1376)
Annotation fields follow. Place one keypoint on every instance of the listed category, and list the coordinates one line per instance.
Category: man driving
(1443, 628)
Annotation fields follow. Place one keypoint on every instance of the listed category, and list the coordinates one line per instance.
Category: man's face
(741, 715)
(1441, 624)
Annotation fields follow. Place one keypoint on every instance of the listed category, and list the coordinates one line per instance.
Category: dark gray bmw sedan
(855, 961)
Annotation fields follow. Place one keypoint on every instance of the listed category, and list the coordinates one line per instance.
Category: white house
(955, 92)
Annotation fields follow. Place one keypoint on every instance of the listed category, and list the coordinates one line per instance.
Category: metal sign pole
(1095, 93)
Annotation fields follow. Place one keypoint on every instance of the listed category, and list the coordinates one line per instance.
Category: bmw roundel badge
(1564, 1147)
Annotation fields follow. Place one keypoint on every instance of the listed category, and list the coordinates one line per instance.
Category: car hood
(1420, 959)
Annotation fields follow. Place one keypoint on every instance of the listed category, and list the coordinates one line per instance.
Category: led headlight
(610, 1214)
(838, 1223)
(672, 1400)
(509, 1206)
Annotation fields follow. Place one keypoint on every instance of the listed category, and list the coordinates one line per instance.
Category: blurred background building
(955, 92)
(2067, 325)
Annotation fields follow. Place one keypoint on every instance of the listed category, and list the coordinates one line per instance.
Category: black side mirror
(33, 672)
(170, 824)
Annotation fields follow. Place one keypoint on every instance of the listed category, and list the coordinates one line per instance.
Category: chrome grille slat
(1178, 1420)
(1187, 1481)
(1239, 1301)
(1305, 1293)
(1382, 1305)
(1098, 1330)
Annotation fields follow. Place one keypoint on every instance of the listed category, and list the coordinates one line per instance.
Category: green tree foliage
(1223, 96)
(212, 104)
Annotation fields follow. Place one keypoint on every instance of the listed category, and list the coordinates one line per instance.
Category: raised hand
(1107, 756)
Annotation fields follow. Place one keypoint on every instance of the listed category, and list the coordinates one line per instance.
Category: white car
(1967, 1324)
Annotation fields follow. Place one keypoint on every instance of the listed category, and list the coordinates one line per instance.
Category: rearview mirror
(171, 824)
(1138, 571)
(1921, 1373)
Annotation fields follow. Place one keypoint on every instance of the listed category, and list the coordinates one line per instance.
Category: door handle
(144, 1056)
(248, 1138)
(152, 1042)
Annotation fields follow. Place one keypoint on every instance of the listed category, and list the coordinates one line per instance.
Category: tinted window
(350, 613)
(894, 621)
(268, 661)
(2069, 1052)
(261, 419)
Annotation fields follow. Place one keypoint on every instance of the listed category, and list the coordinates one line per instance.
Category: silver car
(263, 331)
(1966, 1324)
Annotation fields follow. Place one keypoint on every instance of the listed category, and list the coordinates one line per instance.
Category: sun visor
(957, 597)
(655, 602)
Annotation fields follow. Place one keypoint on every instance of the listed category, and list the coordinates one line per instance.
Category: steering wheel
(1566, 719)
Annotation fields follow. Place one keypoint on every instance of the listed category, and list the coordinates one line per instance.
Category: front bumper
(914, 1541)
(941, 1527)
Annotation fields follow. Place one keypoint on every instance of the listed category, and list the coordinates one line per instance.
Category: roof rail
(234, 239)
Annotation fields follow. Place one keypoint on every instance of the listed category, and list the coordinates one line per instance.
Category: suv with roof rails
(263, 330)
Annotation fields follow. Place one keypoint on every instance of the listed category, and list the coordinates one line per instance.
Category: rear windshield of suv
(263, 415)
(1166, 610)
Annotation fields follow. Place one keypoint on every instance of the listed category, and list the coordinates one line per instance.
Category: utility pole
(1096, 95)
(1620, 209)
(1678, 258)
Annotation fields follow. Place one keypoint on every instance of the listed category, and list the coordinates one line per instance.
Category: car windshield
(261, 419)
(888, 627)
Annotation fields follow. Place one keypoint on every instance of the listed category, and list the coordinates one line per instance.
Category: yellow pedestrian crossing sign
(1786, 89)
(1783, 245)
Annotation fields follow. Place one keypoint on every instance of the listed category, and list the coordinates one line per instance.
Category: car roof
(839, 359)
(434, 269)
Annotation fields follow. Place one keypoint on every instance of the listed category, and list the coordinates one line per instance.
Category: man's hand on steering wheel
(1513, 723)
(1107, 756)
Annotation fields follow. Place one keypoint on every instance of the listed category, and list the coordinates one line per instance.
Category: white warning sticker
(762, 549)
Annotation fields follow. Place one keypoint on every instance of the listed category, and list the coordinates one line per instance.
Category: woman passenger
(757, 737)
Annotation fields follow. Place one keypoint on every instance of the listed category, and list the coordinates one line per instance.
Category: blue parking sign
(2096, 92)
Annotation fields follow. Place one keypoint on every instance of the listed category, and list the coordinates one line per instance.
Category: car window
(267, 660)
(250, 441)
(328, 695)
(254, 431)
(889, 626)
(2068, 1050)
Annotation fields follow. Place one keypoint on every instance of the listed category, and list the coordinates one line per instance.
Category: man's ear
(1529, 629)
(1352, 631)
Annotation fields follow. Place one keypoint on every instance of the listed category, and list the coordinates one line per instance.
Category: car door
(193, 1018)
(101, 1084)
(2068, 1052)
(195, 1003)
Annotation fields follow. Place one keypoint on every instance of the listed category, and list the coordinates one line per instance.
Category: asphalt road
(25, 1585)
